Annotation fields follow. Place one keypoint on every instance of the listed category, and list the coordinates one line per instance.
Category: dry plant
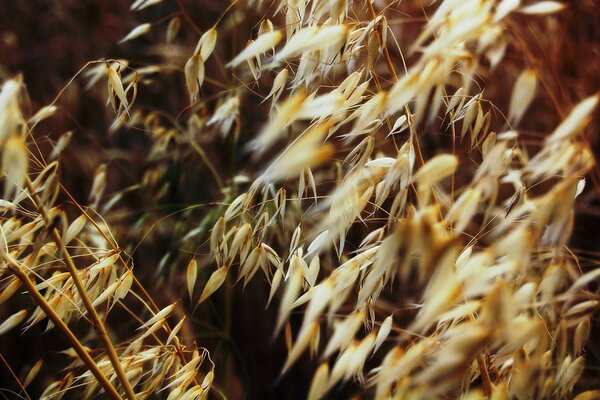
(74, 270)
(414, 236)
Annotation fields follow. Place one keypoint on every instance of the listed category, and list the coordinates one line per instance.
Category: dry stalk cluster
(417, 273)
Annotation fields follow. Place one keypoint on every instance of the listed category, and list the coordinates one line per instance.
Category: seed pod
(15, 163)
(33, 372)
(206, 44)
(382, 334)
(173, 29)
(194, 71)
(257, 47)
(543, 7)
(582, 333)
(436, 169)
(214, 282)
(318, 386)
(191, 275)
(12, 321)
(9, 289)
(522, 95)
(137, 32)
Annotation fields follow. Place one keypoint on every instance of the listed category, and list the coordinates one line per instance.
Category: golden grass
(415, 270)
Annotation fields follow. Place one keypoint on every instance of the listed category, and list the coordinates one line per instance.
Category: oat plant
(378, 166)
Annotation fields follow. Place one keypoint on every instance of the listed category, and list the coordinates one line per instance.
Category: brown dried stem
(17, 269)
(15, 377)
(97, 322)
(151, 304)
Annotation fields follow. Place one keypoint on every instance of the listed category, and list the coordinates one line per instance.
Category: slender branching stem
(17, 269)
(97, 321)
(151, 304)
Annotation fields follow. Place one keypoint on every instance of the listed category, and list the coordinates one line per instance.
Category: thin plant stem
(18, 271)
(151, 304)
(14, 376)
(390, 66)
(97, 322)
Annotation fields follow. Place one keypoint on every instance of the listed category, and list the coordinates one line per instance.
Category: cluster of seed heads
(418, 275)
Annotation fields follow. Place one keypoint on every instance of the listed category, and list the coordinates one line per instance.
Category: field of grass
(299, 199)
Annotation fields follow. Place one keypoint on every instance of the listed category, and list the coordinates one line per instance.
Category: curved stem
(97, 322)
(151, 304)
(17, 269)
